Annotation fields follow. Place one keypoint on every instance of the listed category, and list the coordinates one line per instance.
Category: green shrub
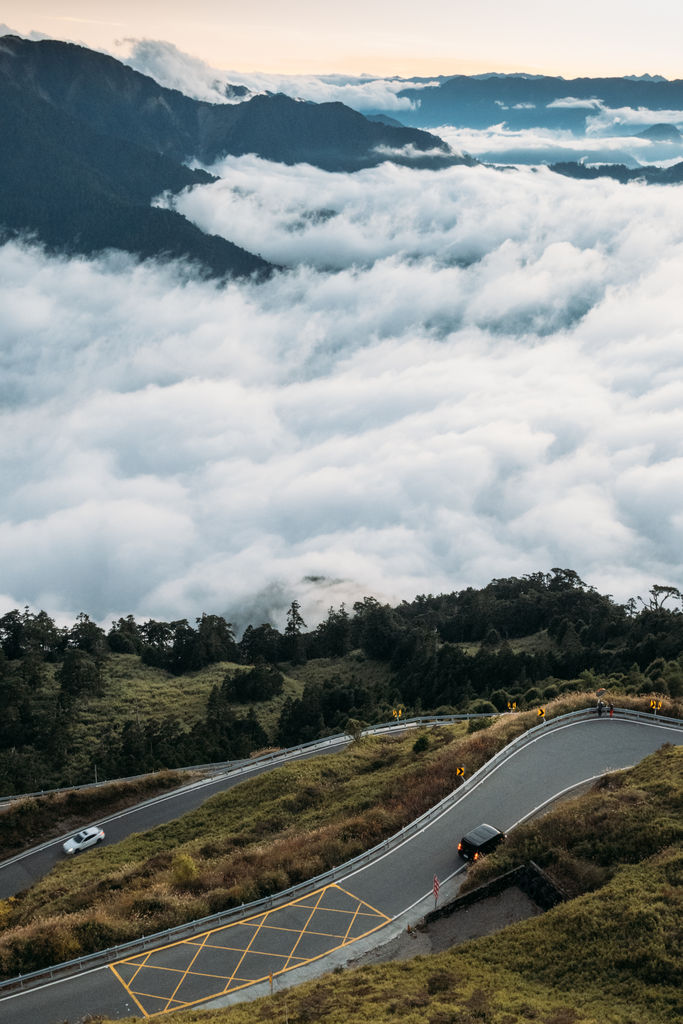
(477, 724)
(184, 871)
(482, 707)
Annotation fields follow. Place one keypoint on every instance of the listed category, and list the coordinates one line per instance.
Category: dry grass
(134, 691)
(274, 831)
(606, 957)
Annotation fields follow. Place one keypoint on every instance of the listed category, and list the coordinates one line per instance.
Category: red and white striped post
(436, 891)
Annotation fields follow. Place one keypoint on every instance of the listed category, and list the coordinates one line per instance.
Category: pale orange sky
(586, 37)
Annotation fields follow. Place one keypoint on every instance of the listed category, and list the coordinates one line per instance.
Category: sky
(585, 37)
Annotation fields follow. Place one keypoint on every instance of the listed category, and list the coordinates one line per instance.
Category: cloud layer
(500, 144)
(459, 375)
(177, 70)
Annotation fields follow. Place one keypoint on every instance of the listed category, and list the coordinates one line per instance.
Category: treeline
(451, 652)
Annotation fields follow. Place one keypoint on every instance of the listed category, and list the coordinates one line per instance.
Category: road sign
(541, 712)
(460, 770)
(655, 705)
(512, 705)
(397, 712)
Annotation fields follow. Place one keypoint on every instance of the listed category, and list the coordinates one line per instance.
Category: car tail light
(459, 847)
(476, 855)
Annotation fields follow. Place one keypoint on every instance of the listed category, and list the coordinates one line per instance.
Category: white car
(88, 837)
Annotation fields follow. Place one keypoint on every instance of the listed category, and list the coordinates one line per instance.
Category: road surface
(212, 964)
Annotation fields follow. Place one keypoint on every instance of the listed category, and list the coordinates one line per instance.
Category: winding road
(26, 868)
(217, 960)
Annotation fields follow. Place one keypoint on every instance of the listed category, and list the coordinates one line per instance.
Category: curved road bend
(535, 774)
(26, 868)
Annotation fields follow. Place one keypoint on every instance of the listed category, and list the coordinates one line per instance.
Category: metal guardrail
(227, 769)
(239, 762)
(223, 918)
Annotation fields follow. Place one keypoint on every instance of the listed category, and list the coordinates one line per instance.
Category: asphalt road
(557, 760)
(27, 868)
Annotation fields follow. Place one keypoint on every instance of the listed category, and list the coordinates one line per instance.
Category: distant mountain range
(529, 101)
(88, 142)
(650, 175)
(662, 133)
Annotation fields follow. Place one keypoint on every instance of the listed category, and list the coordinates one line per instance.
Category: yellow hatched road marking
(130, 993)
(187, 971)
(232, 976)
(252, 952)
(140, 968)
(260, 923)
(350, 927)
(322, 893)
(364, 902)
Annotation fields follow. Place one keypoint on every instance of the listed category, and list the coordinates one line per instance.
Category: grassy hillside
(609, 956)
(132, 688)
(269, 833)
(347, 669)
(133, 691)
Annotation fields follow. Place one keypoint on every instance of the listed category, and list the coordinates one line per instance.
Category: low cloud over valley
(457, 375)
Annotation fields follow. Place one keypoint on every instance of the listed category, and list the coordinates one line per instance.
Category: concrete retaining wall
(528, 877)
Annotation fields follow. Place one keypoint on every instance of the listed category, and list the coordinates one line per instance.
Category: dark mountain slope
(115, 100)
(88, 143)
(651, 175)
(661, 133)
(80, 191)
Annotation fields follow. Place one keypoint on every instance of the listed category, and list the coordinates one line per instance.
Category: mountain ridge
(113, 98)
(90, 142)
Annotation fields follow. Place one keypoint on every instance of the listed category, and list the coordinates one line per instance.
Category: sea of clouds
(457, 375)
(500, 144)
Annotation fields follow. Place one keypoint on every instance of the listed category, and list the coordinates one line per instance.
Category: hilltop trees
(178, 647)
(516, 639)
(259, 684)
(23, 633)
(293, 647)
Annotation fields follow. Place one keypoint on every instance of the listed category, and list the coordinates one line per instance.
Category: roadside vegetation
(32, 820)
(269, 833)
(259, 838)
(610, 955)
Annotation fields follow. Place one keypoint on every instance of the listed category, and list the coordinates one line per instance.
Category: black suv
(482, 839)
